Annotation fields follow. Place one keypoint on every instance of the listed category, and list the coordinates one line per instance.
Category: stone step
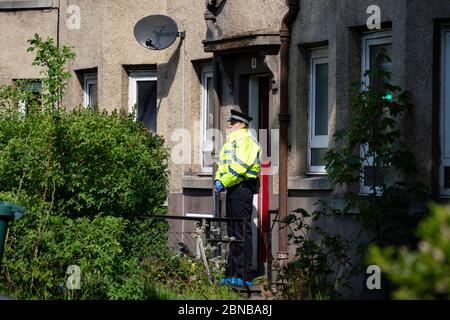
(248, 289)
(255, 292)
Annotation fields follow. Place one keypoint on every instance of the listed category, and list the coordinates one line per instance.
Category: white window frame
(370, 39)
(205, 144)
(445, 109)
(89, 79)
(317, 56)
(134, 78)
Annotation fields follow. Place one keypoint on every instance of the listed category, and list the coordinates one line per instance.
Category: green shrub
(423, 273)
(322, 263)
(86, 178)
(37, 259)
(82, 216)
(172, 276)
(99, 163)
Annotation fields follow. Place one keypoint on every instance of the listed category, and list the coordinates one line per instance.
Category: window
(31, 95)
(372, 44)
(318, 110)
(444, 176)
(90, 90)
(207, 119)
(142, 97)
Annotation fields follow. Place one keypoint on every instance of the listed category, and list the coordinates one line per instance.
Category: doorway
(259, 110)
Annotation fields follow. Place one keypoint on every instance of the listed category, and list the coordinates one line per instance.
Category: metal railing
(206, 232)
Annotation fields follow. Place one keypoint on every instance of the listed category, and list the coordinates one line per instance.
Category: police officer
(238, 169)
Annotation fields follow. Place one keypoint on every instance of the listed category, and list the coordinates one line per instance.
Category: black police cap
(238, 116)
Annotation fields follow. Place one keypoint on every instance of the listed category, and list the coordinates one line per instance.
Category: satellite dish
(157, 32)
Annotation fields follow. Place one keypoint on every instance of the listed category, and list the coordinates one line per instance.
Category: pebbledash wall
(243, 39)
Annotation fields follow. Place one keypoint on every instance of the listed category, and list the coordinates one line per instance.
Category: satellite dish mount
(157, 32)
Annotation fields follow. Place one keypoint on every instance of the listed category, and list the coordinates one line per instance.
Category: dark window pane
(380, 64)
(33, 96)
(370, 174)
(446, 177)
(321, 111)
(377, 63)
(207, 160)
(93, 92)
(317, 157)
(209, 104)
(146, 104)
(37, 96)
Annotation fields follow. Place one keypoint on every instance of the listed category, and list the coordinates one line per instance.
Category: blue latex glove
(219, 186)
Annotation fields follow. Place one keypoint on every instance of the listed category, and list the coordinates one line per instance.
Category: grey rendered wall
(86, 42)
(16, 28)
(240, 16)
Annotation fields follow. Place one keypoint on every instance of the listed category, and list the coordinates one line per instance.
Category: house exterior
(231, 57)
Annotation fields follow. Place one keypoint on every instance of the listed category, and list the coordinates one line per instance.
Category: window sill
(21, 5)
(201, 181)
(204, 174)
(321, 183)
(414, 209)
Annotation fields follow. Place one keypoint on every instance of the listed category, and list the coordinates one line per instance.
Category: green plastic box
(8, 212)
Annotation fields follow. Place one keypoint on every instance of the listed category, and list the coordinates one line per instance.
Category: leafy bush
(113, 170)
(179, 275)
(172, 276)
(37, 259)
(53, 60)
(423, 273)
(98, 162)
(87, 178)
(321, 265)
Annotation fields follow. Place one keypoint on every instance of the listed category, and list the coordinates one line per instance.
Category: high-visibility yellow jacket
(239, 159)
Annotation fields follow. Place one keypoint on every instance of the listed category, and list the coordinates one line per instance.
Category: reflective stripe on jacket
(239, 159)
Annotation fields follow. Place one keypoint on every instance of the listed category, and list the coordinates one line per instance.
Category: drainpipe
(285, 35)
(212, 7)
(58, 24)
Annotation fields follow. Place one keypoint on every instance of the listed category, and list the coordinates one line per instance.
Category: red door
(263, 218)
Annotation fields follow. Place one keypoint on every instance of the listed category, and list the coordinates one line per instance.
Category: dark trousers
(239, 204)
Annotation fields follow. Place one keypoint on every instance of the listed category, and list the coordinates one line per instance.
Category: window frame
(134, 77)
(34, 85)
(206, 73)
(370, 39)
(89, 79)
(444, 108)
(317, 56)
